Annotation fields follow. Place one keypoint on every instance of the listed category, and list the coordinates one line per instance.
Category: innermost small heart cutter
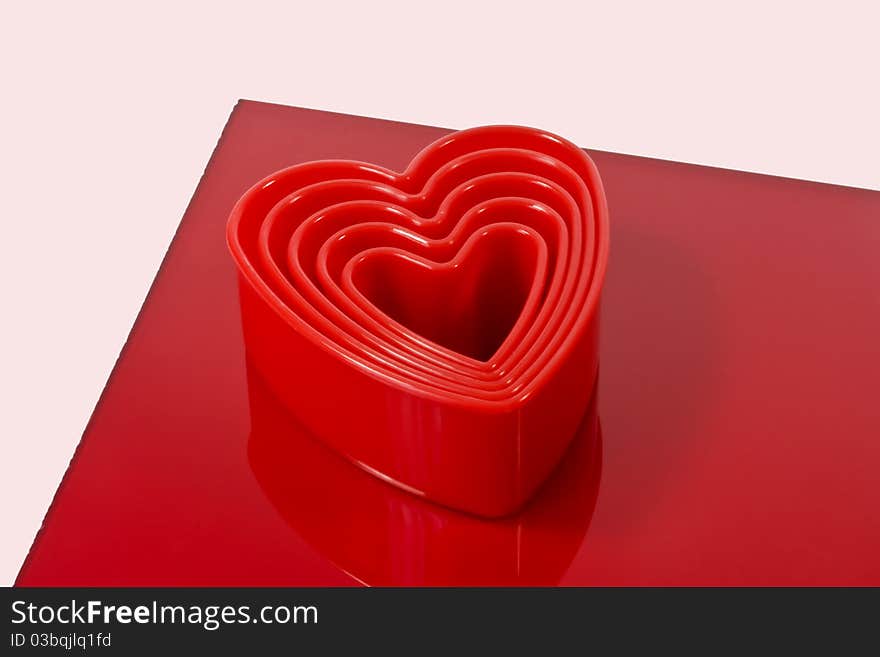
(490, 288)
(475, 421)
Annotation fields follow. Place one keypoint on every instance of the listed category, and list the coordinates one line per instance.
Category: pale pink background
(109, 115)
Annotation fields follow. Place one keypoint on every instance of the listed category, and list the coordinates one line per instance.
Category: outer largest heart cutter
(438, 327)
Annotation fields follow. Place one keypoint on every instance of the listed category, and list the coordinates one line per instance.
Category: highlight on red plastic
(438, 327)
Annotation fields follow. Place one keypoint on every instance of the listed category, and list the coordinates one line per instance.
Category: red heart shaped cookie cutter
(438, 327)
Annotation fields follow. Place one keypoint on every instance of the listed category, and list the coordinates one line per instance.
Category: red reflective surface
(737, 398)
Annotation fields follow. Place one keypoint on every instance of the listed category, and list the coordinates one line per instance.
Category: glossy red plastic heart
(439, 326)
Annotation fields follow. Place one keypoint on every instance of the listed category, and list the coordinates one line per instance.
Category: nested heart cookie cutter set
(438, 327)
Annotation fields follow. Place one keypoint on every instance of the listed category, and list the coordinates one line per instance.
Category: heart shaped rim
(274, 189)
(339, 191)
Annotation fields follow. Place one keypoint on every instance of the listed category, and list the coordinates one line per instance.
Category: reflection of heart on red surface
(438, 327)
(383, 536)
